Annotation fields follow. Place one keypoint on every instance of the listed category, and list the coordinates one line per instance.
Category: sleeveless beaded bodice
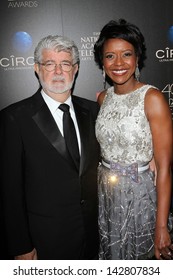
(122, 128)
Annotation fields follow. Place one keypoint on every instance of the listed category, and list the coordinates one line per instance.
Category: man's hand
(29, 256)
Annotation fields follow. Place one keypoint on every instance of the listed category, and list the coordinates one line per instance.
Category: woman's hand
(29, 256)
(162, 243)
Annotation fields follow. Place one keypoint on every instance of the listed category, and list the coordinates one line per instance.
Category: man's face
(53, 78)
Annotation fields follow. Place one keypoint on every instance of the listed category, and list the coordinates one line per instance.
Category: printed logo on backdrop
(21, 43)
(166, 55)
(168, 91)
(87, 45)
(22, 4)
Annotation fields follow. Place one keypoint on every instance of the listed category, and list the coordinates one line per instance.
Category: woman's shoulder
(101, 96)
(150, 91)
(155, 101)
(154, 93)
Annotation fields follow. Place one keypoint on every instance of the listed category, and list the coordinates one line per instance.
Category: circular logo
(170, 34)
(22, 41)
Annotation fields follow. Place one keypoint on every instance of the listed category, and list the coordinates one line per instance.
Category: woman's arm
(159, 116)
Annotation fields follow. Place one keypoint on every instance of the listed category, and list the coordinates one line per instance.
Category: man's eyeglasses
(51, 66)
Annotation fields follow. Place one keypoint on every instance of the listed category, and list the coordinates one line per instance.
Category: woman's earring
(137, 73)
(104, 79)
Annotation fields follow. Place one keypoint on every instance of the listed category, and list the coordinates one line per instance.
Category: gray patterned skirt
(127, 214)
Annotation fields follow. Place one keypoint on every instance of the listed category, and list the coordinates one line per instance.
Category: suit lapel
(46, 123)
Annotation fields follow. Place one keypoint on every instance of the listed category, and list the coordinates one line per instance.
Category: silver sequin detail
(126, 209)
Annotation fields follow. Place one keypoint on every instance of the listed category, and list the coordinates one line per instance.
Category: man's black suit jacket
(46, 202)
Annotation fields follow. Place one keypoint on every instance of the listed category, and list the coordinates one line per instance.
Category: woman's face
(119, 60)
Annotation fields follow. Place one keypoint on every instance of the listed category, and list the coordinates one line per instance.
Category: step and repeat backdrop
(24, 23)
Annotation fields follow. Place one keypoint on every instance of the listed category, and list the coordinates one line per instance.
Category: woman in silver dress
(134, 123)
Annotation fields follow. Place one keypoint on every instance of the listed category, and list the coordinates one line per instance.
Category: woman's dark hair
(120, 29)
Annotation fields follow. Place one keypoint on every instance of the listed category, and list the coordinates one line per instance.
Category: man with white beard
(49, 193)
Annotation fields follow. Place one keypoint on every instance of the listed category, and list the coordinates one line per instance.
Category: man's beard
(57, 89)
